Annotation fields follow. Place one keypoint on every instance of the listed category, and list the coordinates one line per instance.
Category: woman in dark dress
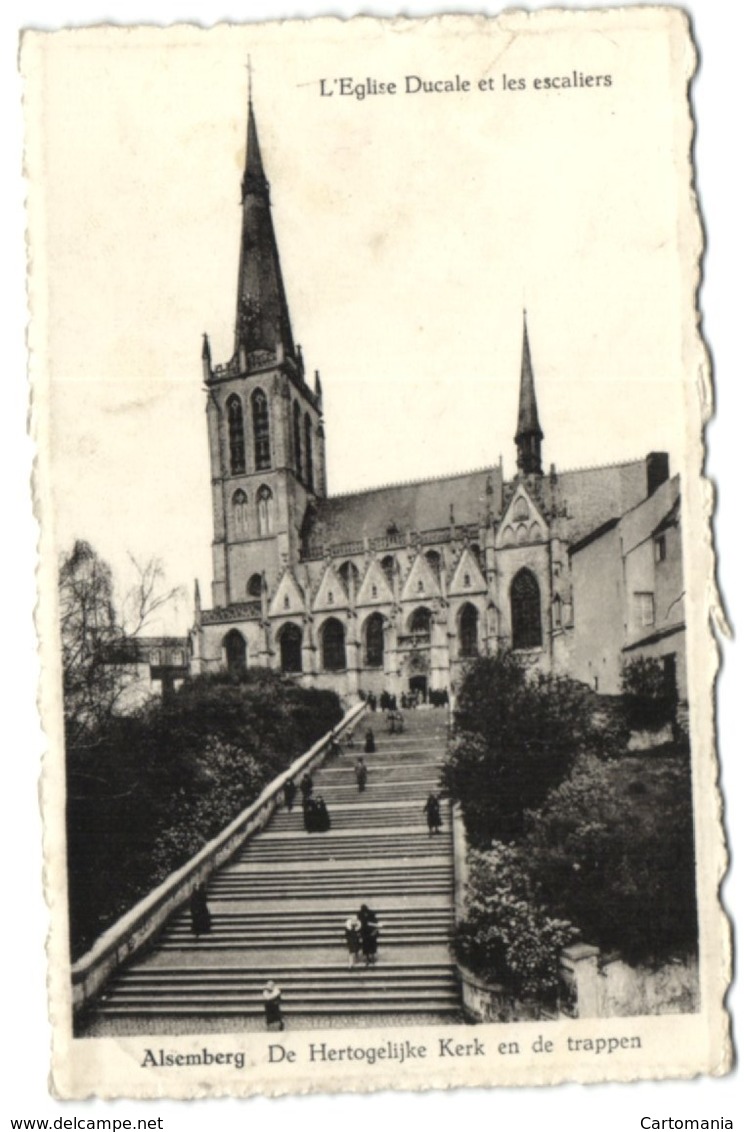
(201, 917)
(369, 742)
(433, 813)
(289, 794)
(369, 934)
(272, 1000)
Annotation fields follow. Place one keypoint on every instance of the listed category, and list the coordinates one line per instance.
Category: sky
(413, 231)
(617, 1108)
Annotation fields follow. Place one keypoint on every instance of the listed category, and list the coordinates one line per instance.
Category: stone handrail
(119, 942)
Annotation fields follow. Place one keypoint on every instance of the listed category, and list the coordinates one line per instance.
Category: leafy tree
(612, 850)
(509, 936)
(516, 737)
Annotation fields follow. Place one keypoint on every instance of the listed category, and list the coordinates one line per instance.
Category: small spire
(318, 386)
(197, 597)
(206, 349)
(529, 434)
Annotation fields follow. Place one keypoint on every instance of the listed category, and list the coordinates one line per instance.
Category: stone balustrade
(142, 922)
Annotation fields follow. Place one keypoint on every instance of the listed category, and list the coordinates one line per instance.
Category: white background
(718, 104)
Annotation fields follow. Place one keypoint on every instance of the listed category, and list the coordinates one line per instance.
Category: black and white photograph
(376, 564)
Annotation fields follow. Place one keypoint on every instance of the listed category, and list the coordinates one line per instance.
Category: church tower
(265, 422)
(529, 434)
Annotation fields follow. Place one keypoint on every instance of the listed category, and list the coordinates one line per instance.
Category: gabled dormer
(375, 588)
(331, 593)
(289, 598)
(421, 583)
(467, 577)
(523, 522)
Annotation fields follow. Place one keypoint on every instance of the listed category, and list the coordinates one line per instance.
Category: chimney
(657, 471)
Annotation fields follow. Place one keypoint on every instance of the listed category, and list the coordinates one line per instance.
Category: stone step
(254, 941)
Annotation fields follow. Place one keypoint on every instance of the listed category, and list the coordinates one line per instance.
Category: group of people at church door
(362, 936)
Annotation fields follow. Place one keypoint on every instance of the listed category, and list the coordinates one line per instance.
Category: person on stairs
(369, 742)
(360, 773)
(433, 813)
(369, 934)
(272, 1000)
(306, 786)
(352, 935)
(322, 817)
(289, 794)
(201, 917)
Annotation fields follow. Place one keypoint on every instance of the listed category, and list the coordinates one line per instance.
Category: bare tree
(100, 649)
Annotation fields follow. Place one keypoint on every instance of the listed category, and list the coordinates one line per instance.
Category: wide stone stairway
(279, 907)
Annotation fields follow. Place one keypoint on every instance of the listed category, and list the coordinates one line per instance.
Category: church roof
(392, 511)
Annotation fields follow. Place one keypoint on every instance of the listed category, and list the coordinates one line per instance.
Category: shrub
(516, 737)
(612, 849)
(508, 936)
(145, 792)
(649, 697)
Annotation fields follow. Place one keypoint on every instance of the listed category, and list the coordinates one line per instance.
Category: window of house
(373, 641)
(297, 438)
(421, 623)
(265, 505)
(236, 434)
(645, 610)
(254, 585)
(468, 631)
(434, 558)
(290, 648)
(333, 646)
(261, 445)
(526, 616)
(309, 472)
(240, 512)
(660, 547)
(388, 566)
(349, 576)
(235, 652)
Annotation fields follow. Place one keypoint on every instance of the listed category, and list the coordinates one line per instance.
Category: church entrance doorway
(419, 685)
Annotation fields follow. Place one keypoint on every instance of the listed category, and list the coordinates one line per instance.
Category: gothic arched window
(235, 652)
(236, 435)
(254, 585)
(240, 512)
(309, 474)
(290, 648)
(350, 576)
(261, 443)
(388, 566)
(526, 616)
(468, 633)
(421, 623)
(333, 645)
(434, 558)
(297, 438)
(521, 510)
(265, 504)
(374, 646)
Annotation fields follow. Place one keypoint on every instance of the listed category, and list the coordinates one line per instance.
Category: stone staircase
(279, 906)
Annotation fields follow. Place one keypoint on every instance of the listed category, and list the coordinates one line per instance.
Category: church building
(395, 588)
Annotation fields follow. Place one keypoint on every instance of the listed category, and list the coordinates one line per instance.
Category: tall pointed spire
(262, 323)
(529, 434)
